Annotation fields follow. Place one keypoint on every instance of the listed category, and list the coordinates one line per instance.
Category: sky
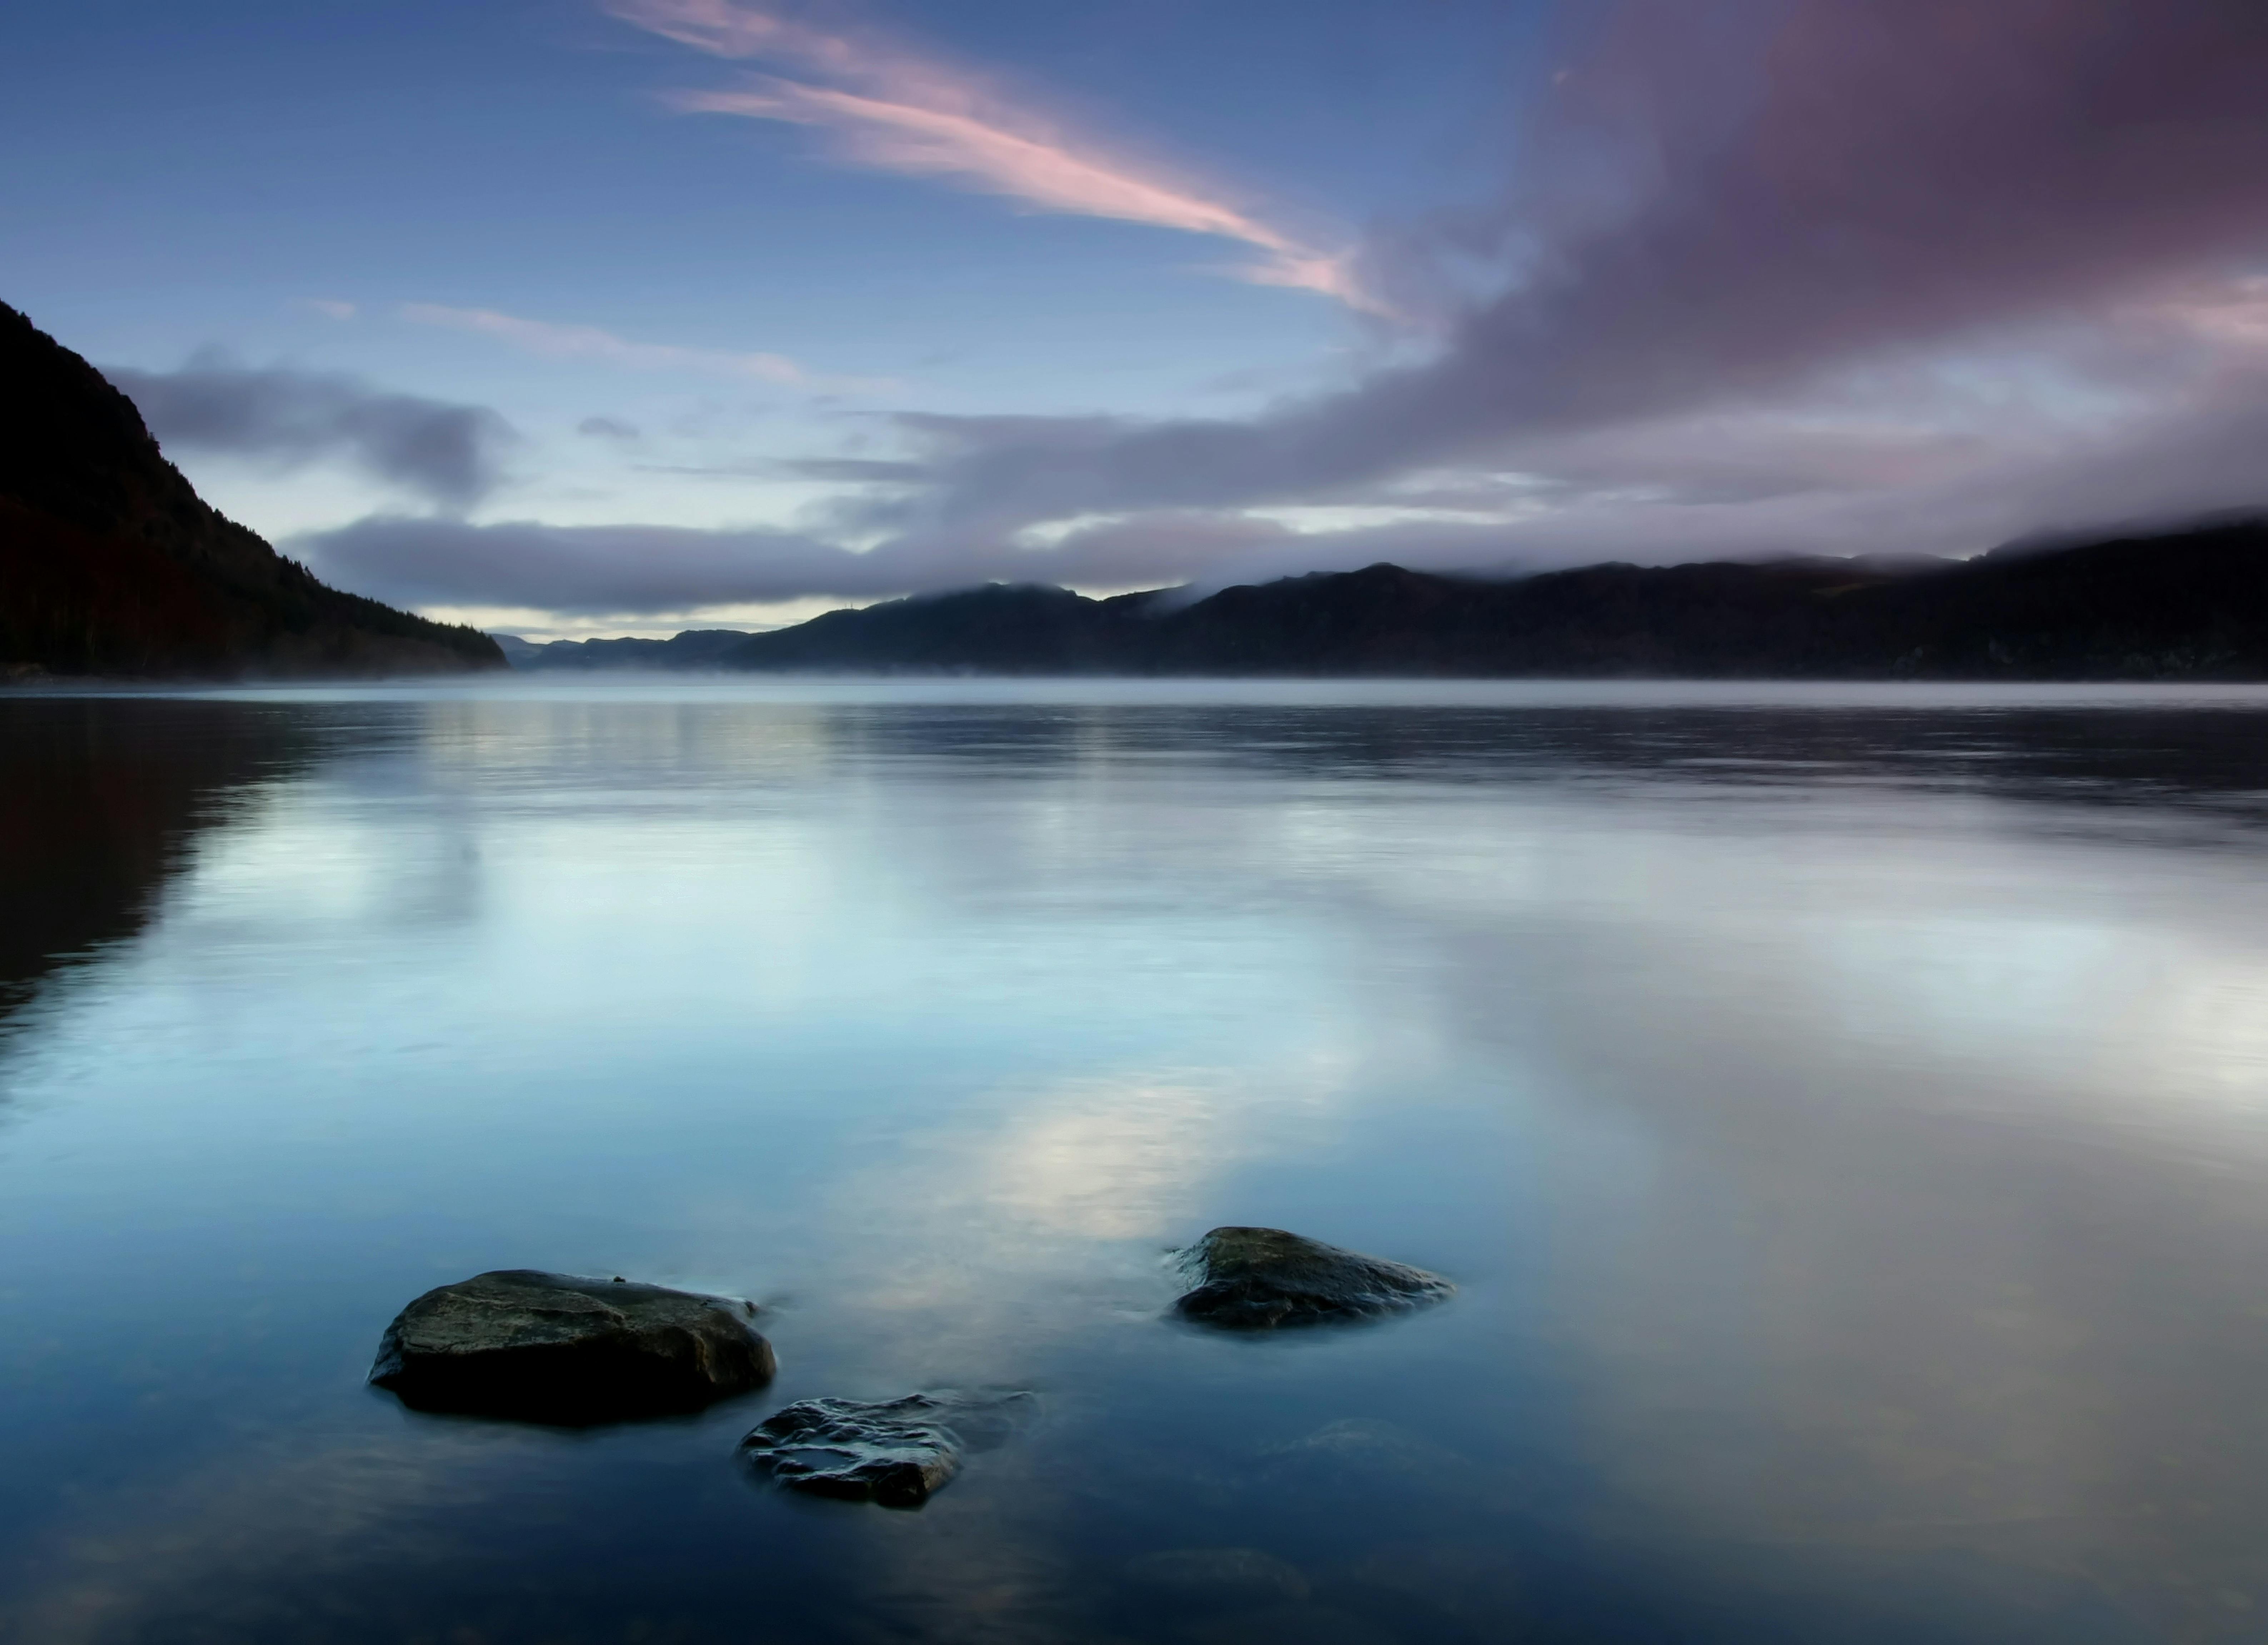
(573, 317)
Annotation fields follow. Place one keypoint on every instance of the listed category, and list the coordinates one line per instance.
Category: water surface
(1841, 1110)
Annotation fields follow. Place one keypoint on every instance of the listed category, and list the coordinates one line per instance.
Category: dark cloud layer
(2206, 453)
(449, 453)
(631, 570)
(1852, 177)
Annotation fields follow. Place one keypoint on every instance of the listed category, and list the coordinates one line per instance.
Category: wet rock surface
(1253, 1278)
(551, 1348)
(894, 1452)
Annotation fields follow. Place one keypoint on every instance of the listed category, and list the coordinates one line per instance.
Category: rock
(895, 1452)
(1217, 1577)
(1257, 1279)
(551, 1348)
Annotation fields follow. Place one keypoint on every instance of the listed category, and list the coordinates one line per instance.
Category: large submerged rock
(895, 1452)
(552, 1347)
(1258, 1279)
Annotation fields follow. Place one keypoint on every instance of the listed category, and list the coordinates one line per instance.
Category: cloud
(1726, 206)
(589, 569)
(1701, 488)
(589, 342)
(446, 453)
(606, 428)
(857, 470)
(632, 569)
(1773, 276)
(895, 110)
(2237, 312)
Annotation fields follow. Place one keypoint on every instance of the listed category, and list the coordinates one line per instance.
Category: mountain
(694, 648)
(2190, 604)
(1022, 628)
(111, 564)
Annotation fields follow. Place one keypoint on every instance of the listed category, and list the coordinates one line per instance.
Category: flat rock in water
(1258, 1279)
(553, 1347)
(895, 1452)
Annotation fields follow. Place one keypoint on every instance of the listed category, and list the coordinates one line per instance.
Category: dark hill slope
(2183, 605)
(1022, 628)
(111, 564)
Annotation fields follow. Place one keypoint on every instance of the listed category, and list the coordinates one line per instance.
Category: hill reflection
(100, 801)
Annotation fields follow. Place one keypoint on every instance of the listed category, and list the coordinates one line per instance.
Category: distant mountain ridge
(2190, 604)
(694, 648)
(110, 562)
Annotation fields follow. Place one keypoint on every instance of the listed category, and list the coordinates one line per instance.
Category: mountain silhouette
(110, 562)
(2190, 604)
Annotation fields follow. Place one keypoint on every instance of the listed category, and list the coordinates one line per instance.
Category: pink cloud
(2233, 311)
(893, 110)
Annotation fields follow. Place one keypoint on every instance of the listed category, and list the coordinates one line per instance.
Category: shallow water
(1844, 1114)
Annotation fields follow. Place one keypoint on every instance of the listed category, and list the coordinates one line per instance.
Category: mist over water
(1844, 1114)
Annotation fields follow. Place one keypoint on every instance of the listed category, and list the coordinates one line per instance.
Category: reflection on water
(1842, 1116)
(96, 806)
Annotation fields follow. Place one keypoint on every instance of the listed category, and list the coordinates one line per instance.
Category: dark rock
(1257, 1279)
(551, 1347)
(895, 1452)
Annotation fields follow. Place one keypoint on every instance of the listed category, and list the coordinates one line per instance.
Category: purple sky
(801, 305)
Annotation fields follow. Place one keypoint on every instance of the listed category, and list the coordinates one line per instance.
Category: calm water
(1846, 1115)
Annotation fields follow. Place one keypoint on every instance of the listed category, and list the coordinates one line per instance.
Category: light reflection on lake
(1842, 1110)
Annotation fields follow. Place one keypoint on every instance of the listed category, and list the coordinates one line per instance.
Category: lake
(1844, 1112)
